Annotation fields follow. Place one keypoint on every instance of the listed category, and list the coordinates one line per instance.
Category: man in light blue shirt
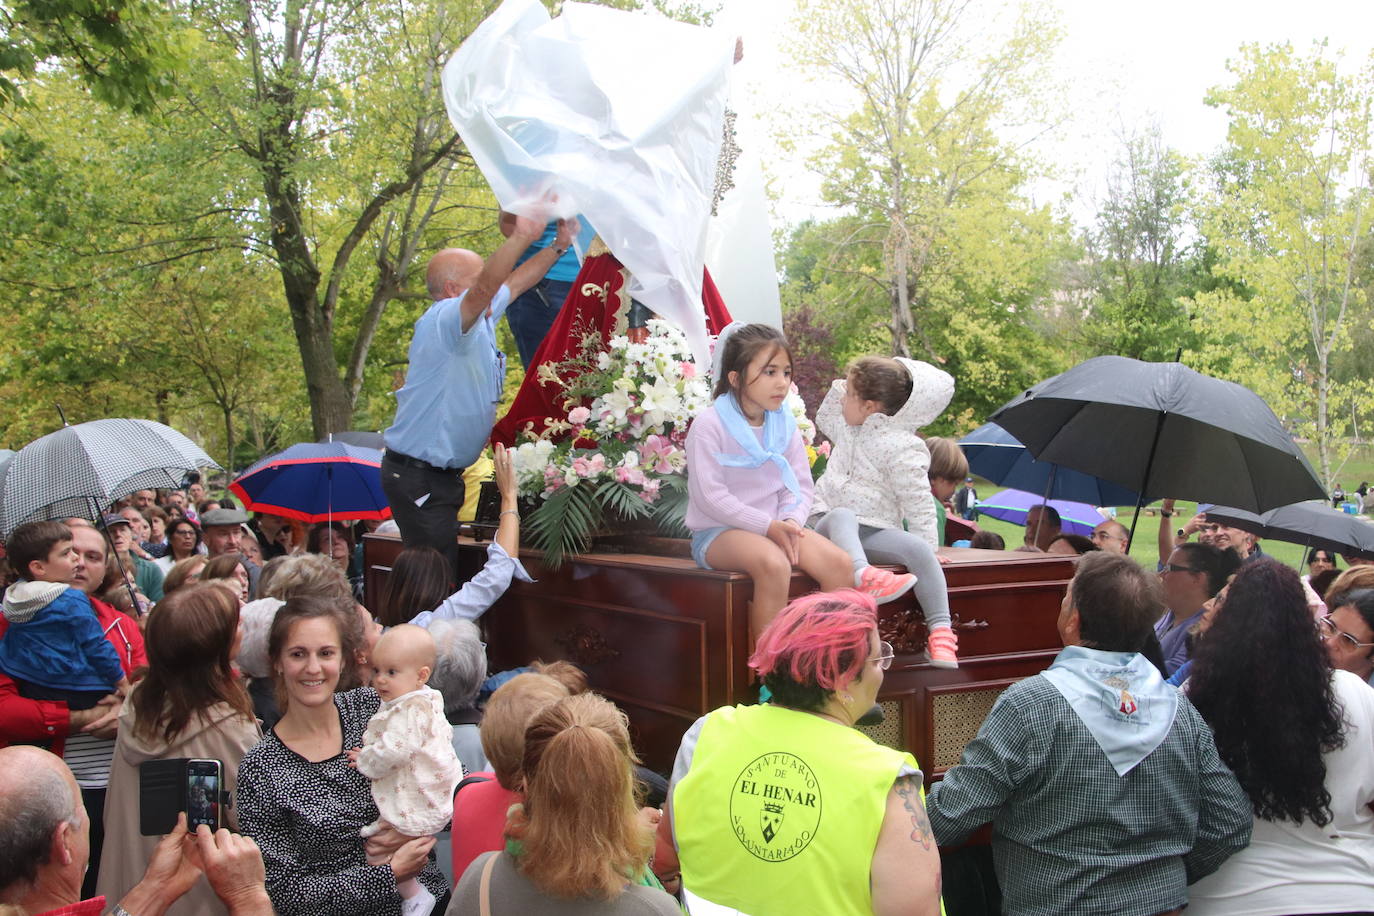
(446, 409)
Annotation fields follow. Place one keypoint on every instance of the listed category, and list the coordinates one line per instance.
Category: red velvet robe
(599, 299)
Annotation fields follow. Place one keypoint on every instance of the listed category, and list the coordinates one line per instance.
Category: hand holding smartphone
(168, 787)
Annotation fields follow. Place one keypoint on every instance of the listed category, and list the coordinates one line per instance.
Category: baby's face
(395, 671)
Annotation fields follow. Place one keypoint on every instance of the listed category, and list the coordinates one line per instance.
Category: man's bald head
(38, 796)
(451, 271)
(1112, 536)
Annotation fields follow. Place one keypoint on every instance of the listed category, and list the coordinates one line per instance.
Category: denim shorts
(701, 542)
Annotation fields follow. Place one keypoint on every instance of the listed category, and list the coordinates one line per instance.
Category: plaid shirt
(1069, 835)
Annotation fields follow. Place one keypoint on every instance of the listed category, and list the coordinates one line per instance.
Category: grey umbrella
(1311, 523)
(1163, 429)
(78, 470)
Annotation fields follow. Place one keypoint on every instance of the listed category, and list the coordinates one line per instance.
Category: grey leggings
(866, 544)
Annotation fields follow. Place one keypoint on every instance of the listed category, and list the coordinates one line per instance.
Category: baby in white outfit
(407, 748)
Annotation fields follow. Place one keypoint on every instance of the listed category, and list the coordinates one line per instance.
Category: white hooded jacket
(879, 470)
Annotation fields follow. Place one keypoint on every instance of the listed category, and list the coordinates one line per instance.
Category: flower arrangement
(619, 456)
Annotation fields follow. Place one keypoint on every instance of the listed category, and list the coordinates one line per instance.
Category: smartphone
(204, 779)
(168, 787)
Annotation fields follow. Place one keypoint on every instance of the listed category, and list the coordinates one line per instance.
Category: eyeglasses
(1328, 629)
(885, 655)
(1174, 567)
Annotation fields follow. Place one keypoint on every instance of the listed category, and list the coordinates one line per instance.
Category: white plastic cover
(619, 115)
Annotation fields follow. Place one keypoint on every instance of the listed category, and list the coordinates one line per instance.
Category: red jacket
(25, 721)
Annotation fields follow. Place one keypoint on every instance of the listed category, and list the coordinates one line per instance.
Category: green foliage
(940, 254)
(125, 51)
(1139, 273)
(1287, 220)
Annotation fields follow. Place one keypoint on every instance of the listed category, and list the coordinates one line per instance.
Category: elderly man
(445, 410)
(1042, 527)
(123, 540)
(1244, 544)
(44, 846)
(1112, 536)
(143, 499)
(1102, 783)
(1192, 576)
(221, 530)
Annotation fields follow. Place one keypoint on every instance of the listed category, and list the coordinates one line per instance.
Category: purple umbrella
(1012, 506)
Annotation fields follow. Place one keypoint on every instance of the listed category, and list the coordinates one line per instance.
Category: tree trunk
(1323, 388)
(228, 441)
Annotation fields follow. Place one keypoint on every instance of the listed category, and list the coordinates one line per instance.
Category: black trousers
(425, 503)
(94, 800)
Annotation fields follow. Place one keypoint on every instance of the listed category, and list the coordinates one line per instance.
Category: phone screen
(202, 793)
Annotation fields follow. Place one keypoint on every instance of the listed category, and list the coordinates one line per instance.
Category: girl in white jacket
(874, 499)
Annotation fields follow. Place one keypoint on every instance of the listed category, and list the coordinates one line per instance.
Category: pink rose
(824, 448)
(579, 416)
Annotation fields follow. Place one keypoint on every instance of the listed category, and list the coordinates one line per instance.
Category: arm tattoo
(910, 792)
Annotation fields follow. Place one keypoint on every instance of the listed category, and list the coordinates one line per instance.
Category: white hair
(460, 662)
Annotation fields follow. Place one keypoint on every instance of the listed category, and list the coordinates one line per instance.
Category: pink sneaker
(884, 586)
(940, 648)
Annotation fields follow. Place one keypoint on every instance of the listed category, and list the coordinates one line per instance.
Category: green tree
(1287, 218)
(125, 51)
(921, 150)
(1139, 269)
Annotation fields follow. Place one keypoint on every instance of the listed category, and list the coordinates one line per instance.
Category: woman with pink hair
(786, 807)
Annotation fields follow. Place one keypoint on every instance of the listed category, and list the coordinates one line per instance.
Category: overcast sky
(1122, 64)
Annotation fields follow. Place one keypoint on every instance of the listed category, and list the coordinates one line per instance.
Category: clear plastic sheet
(618, 116)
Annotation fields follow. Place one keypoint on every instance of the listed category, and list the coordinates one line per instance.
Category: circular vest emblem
(775, 806)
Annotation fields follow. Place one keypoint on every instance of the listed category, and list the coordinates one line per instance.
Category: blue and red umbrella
(316, 482)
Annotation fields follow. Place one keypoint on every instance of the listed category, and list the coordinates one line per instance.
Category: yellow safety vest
(780, 812)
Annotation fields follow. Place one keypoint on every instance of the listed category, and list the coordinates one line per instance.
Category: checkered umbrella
(78, 470)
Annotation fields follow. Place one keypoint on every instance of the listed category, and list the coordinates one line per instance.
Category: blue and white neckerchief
(1120, 698)
(779, 426)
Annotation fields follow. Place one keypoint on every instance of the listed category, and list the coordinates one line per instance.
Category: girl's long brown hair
(189, 637)
(581, 830)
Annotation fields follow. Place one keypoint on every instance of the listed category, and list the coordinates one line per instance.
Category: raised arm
(906, 863)
(497, 270)
(533, 270)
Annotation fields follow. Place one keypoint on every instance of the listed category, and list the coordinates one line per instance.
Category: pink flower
(824, 448)
(580, 467)
(632, 476)
(655, 452)
(650, 490)
(689, 370)
(579, 416)
(553, 479)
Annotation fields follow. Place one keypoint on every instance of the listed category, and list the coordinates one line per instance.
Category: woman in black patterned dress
(297, 795)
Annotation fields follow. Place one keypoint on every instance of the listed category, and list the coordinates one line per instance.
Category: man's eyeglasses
(1174, 567)
(1327, 627)
(885, 655)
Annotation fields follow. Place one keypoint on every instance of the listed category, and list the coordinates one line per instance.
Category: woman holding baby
(300, 794)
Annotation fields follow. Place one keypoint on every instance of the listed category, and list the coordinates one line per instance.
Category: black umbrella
(1162, 430)
(1312, 524)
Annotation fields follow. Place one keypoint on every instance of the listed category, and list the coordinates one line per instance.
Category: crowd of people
(1202, 741)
